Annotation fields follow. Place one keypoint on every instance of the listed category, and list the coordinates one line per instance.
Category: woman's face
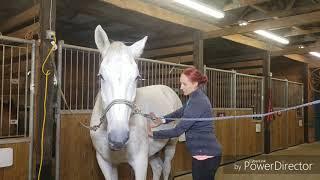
(187, 86)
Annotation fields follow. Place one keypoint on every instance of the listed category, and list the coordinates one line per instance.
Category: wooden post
(267, 92)
(306, 99)
(198, 51)
(47, 16)
(309, 118)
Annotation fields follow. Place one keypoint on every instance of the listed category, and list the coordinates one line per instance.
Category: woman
(200, 137)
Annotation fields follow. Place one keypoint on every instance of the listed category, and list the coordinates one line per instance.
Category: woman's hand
(156, 121)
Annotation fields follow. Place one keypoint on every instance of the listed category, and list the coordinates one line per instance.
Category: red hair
(195, 75)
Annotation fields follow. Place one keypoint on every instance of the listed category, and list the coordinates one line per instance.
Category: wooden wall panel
(292, 118)
(77, 155)
(299, 132)
(182, 160)
(249, 142)
(278, 132)
(226, 134)
(19, 169)
(4, 130)
(296, 132)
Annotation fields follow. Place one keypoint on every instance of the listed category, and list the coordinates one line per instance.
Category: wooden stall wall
(295, 128)
(19, 169)
(286, 130)
(238, 138)
(77, 155)
(278, 131)
(226, 134)
(249, 140)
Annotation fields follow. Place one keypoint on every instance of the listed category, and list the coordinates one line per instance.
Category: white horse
(123, 136)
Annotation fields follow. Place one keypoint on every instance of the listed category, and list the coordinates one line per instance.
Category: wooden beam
(168, 42)
(294, 11)
(47, 21)
(251, 42)
(26, 31)
(198, 51)
(160, 13)
(254, 71)
(241, 3)
(303, 59)
(297, 50)
(268, 24)
(168, 51)
(166, 15)
(298, 32)
(237, 65)
(178, 59)
(21, 18)
(233, 59)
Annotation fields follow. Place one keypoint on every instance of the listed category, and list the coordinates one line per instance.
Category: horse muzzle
(118, 140)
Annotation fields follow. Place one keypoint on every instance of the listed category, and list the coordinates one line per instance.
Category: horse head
(118, 76)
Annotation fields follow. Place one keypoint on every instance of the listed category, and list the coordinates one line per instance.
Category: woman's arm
(176, 114)
(193, 110)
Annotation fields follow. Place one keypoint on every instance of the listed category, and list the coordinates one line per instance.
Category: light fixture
(272, 36)
(202, 8)
(301, 47)
(315, 54)
(242, 23)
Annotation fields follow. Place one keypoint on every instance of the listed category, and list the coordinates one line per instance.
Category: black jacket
(200, 136)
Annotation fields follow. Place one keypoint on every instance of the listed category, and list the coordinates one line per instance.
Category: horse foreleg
(109, 171)
(156, 166)
(169, 151)
(140, 166)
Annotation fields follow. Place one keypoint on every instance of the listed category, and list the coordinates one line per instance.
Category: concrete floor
(299, 152)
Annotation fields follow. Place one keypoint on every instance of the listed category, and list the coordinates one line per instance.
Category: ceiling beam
(300, 58)
(234, 59)
(166, 42)
(251, 42)
(166, 15)
(254, 71)
(178, 59)
(293, 11)
(298, 32)
(268, 24)
(240, 65)
(168, 51)
(241, 3)
(160, 13)
(297, 50)
(25, 32)
(21, 18)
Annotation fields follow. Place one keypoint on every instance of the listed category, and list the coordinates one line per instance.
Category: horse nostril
(117, 138)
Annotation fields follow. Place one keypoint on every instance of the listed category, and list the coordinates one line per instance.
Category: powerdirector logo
(275, 164)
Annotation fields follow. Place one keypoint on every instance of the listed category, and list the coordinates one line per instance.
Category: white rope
(247, 116)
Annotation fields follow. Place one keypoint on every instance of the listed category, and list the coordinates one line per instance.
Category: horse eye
(100, 76)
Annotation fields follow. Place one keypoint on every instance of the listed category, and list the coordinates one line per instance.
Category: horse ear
(101, 38)
(137, 48)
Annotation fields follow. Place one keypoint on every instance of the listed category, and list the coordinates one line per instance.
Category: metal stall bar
(66, 53)
(160, 72)
(16, 136)
(220, 87)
